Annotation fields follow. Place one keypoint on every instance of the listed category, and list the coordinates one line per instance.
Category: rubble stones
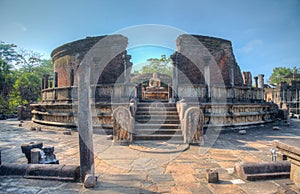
(242, 132)
(27, 147)
(212, 176)
(67, 133)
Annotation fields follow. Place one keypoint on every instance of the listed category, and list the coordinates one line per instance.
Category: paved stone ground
(124, 170)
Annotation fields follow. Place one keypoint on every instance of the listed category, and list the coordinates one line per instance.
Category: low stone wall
(232, 114)
(66, 114)
(102, 92)
(192, 92)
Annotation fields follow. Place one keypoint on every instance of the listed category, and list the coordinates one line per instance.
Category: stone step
(157, 109)
(156, 113)
(153, 104)
(146, 142)
(157, 121)
(157, 126)
(154, 121)
(167, 117)
(159, 131)
(158, 137)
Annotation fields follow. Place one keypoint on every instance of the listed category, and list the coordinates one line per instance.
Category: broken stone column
(255, 81)
(35, 155)
(212, 176)
(247, 78)
(46, 78)
(261, 85)
(27, 147)
(55, 79)
(20, 112)
(43, 83)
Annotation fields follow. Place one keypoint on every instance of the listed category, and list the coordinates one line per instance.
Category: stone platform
(124, 170)
(290, 150)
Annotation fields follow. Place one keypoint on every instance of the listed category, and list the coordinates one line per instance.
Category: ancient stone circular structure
(205, 75)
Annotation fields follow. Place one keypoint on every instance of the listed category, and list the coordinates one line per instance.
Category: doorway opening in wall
(152, 72)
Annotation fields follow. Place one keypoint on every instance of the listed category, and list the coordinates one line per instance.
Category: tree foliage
(279, 74)
(20, 77)
(161, 65)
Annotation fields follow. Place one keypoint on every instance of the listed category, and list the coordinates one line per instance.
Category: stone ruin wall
(56, 107)
(67, 58)
(192, 68)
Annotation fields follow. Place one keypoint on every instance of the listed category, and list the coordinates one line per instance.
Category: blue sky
(264, 33)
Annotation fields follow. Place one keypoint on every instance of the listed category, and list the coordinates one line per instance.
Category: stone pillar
(43, 83)
(261, 85)
(20, 112)
(55, 79)
(46, 78)
(232, 82)
(85, 128)
(247, 78)
(175, 62)
(260, 81)
(206, 60)
(255, 81)
(127, 67)
(35, 155)
(72, 77)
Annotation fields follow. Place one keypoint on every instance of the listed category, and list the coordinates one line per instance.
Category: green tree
(28, 60)
(23, 84)
(279, 74)
(161, 65)
(7, 56)
(27, 87)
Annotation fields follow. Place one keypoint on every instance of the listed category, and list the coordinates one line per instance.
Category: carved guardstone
(122, 125)
(193, 125)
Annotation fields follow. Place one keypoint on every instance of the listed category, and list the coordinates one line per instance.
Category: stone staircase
(157, 121)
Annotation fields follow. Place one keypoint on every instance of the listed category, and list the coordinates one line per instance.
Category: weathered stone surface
(253, 171)
(68, 57)
(117, 178)
(197, 46)
(291, 151)
(90, 181)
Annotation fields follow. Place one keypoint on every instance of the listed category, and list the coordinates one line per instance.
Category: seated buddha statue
(154, 82)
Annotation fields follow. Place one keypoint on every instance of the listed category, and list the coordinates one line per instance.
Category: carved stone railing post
(122, 125)
(181, 108)
(193, 122)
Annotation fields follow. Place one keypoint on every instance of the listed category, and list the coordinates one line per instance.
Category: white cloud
(250, 46)
(20, 27)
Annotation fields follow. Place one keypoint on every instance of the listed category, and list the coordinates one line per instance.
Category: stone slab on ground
(123, 170)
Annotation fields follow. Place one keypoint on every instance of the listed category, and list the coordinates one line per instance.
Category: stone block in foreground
(41, 171)
(253, 171)
(291, 151)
